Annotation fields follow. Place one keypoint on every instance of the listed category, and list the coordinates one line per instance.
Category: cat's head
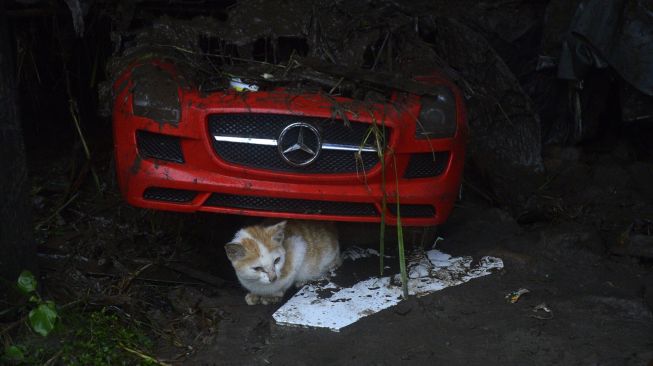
(257, 253)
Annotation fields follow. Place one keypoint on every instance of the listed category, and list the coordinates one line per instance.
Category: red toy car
(280, 153)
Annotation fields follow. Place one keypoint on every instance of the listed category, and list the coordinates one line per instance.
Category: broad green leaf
(42, 318)
(26, 282)
(13, 355)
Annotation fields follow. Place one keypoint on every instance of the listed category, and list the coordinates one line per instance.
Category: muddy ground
(582, 245)
(169, 271)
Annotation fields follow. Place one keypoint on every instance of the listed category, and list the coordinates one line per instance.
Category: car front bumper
(194, 176)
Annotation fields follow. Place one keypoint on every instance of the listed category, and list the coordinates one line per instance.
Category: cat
(269, 259)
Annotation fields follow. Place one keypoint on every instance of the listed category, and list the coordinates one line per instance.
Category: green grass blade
(381, 146)
(384, 203)
(400, 237)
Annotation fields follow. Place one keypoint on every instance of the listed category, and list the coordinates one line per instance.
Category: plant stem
(144, 356)
(400, 236)
(381, 150)
(384, 204)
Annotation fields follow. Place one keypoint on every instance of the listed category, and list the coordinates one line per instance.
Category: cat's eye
(259, 269)
(277, 260)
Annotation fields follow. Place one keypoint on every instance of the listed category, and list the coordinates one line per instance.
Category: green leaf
(26, 282)
(13, 355)
(42, 318)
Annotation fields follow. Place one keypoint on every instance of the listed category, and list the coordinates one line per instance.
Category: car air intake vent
(412, 210)
(426, 165)
(310, 207)
(158, 146)
(169, 195)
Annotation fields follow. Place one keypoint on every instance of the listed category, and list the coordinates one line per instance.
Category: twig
(198, 275)
(70, 200)
(161, 333)
(374, 78)
(13, 325)
(378, 55)
(504, 113)
(169, 282)
(479, 191)
(336, 86)
(74, 113)
(128, 280)
(36, 69)
(185, 50)
(54, 358)
(144, 356)
(24, 318)
(71, 304)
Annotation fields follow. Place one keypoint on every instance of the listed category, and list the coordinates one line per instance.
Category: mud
(156, 95)
(573, 229)
(599, 301)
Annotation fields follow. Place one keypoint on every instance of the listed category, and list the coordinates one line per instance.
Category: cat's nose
(272, 276)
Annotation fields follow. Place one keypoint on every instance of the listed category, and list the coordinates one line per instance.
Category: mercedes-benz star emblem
(299, 144)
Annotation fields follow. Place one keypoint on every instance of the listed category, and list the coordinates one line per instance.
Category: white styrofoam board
(327, 305)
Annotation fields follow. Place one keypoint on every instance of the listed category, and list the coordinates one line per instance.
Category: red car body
(215, 152)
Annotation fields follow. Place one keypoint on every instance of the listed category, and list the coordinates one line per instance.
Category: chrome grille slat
(250, 139)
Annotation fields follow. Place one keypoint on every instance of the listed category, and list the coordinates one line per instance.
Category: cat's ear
(278, 231)
(235, 251)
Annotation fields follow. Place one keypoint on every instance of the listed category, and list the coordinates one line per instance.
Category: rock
(570, 239)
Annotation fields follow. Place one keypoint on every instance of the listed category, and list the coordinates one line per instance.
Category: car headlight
(437, 116)
(155, 94)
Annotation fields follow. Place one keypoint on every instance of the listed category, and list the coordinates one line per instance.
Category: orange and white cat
(270, 259)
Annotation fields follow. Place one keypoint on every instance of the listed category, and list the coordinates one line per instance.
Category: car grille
(169, 195)
(426, 165)
(412, 210)
(157, 146)
(269, 127)
(291, 205)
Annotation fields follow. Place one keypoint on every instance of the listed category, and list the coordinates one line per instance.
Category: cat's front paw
(252, 299)
(268, 300)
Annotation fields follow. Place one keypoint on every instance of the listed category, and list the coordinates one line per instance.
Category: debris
(514, 296)
(353, 253)
(439, 238)
(505, 140)
(239, 85)
(340, 54)
(126, 281)
(542, 308)
(616, 33)
(327, 305)
(636, 241)
(56, 213)
(78, 10)
(581, 37)
(376, 79)
(145, 357)
(196, 274)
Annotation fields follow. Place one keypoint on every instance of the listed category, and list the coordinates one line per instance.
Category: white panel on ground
(327, 305)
